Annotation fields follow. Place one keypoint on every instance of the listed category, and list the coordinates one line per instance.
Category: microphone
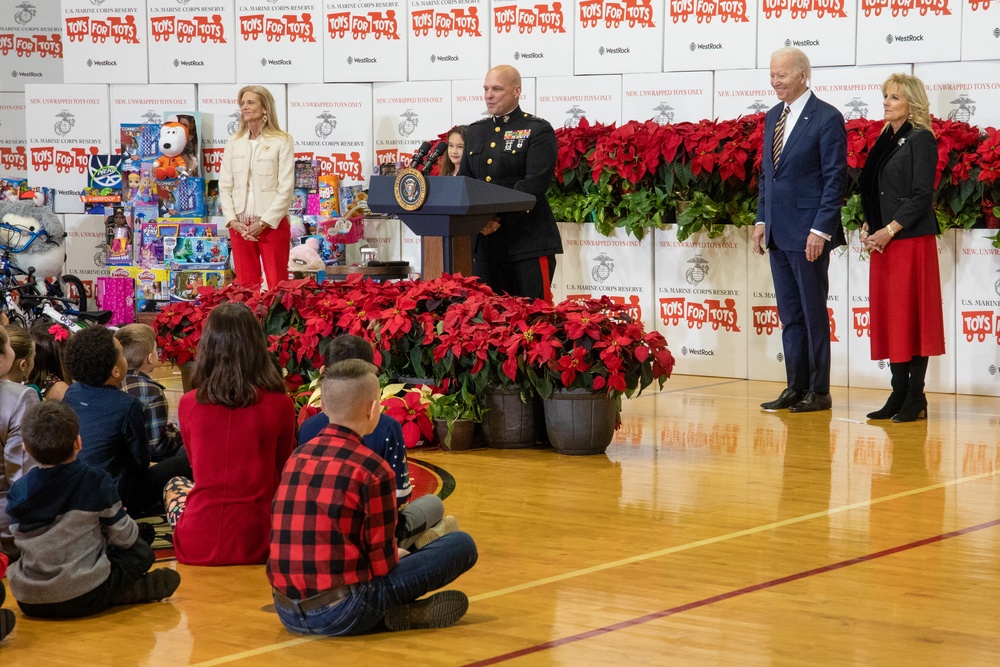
(432, 159)
(418, 155)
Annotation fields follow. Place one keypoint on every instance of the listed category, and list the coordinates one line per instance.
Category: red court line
(728, 595)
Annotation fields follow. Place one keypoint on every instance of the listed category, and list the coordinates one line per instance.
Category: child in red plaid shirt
(335, 566)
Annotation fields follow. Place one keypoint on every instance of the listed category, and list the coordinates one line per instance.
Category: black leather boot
(900, 381)
(915, 405)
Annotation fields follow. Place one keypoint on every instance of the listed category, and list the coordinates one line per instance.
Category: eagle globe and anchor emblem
(25, 14)
(152, 118)
(326, 125)
(409, 122)
(695, 274)
(996, 285)
(965, 111)
(664, 114)
(576, 113)
(859, 109)
(234, 124)
(64, 124)
(602, 271)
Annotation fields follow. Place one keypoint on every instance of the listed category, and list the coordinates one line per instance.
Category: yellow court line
(636, 559)
(724, 538)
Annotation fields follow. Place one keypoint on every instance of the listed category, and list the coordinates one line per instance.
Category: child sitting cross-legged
(112, 423)
(238, 426)
(421, 520)
(334, 565)
(80, 551)
(139, 347)
(15, 462)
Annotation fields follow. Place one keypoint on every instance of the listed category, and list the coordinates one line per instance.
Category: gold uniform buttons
(496, 129)
(489, 161)
(488, 179)
(512, 152)
(493, 144)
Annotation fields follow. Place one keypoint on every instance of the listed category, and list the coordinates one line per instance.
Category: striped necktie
(779, 135)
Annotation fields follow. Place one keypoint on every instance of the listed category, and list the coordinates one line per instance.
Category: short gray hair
(798, 57)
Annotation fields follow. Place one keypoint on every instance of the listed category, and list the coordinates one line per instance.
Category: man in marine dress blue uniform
(515, 252)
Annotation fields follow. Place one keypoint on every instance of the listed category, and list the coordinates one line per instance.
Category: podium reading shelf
(455, 207)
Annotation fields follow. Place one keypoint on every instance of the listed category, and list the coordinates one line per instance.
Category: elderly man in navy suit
(802, 185)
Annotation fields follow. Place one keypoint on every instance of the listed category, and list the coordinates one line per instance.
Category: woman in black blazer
(897, 189)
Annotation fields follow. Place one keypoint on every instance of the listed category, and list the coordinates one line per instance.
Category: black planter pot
(580, 422)
(461, 434)
(508, 422)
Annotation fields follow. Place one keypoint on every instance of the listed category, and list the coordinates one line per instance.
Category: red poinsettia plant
(453, 331)
(989, 176)
(594, 345)
(641, 175)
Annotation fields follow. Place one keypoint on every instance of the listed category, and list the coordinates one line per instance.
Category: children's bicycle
(21, 297)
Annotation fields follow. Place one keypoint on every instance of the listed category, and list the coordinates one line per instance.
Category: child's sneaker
(437, 611)
(7, 620)
(155, 585)
(449, 524)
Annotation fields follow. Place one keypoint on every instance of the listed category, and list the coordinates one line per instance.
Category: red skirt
(905, 306)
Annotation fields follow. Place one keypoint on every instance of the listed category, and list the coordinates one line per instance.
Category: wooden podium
(455, 209)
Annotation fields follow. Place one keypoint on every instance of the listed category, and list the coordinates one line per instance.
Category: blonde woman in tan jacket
(255, 189)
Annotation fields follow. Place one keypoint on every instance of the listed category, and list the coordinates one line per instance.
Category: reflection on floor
(710, 533)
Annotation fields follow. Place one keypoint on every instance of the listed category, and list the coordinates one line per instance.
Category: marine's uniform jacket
(516, 150)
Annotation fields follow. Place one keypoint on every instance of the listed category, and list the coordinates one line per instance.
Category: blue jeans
(436, 565)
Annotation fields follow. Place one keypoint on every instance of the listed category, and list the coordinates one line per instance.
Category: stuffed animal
(46, 255)
(305, 258)
(297, 226)
(173, 140)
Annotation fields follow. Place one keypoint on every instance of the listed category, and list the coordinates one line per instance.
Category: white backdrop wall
(360, 82)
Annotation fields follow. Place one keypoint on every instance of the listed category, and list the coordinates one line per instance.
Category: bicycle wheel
(78, 301)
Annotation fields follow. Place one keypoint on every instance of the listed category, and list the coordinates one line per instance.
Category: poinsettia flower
(410, 411)
(569, 365)
(579, 325)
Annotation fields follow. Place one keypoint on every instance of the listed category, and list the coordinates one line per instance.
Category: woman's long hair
(448, 167)
(916, 96)
(233, 363)
(271, 125)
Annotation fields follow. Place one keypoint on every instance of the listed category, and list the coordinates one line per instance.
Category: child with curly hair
(112, 422)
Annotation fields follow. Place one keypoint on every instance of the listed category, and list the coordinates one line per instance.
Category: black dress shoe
(813, 402)
(787, 399)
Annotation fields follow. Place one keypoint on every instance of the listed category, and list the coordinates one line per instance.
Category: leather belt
(324, 599)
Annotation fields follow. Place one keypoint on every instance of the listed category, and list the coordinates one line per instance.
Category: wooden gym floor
(711, 533)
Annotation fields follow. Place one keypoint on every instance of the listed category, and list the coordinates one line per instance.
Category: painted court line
(728, 596)
(724, 538)
(637, 559)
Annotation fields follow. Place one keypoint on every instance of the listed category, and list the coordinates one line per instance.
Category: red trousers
(271, 249)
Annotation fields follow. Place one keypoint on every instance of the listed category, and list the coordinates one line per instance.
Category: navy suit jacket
(807, 189)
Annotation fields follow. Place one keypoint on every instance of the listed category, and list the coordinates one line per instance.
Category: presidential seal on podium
(411, 189)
